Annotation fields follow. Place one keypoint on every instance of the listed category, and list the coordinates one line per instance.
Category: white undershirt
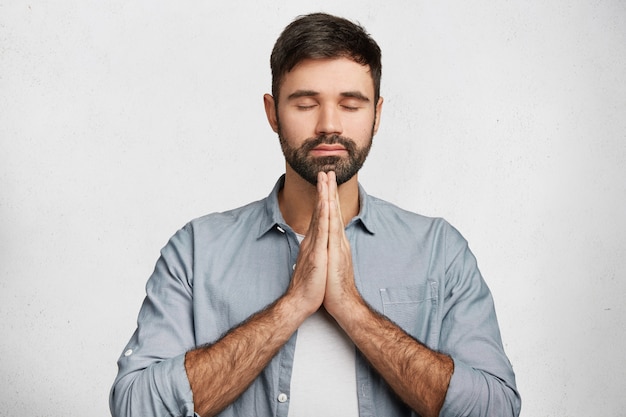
(323, 379)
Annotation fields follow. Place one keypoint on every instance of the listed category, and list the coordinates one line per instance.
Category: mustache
(312, 143)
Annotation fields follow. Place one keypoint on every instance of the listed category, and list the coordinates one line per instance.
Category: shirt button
(128, 352)
(293, 267)
(282, 397)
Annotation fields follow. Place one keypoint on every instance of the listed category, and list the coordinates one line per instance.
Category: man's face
(326, 117)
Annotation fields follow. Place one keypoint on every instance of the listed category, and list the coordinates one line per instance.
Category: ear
(379, 110)
(270, 111)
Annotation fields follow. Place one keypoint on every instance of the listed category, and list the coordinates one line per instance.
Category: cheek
(361, 128)
(295, 125)
(288, 132)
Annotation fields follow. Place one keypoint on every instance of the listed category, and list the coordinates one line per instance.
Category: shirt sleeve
(483, 382)
(151, 379)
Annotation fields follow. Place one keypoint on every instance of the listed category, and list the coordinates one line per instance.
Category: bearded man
(319, 299)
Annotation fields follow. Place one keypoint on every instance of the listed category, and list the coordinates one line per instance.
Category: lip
(328, 150)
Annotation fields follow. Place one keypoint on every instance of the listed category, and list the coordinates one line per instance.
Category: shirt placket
(286, 355)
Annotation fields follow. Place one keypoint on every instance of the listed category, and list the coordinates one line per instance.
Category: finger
(335, 221)
(332, 185)
(322, 184)
(321, 192)
(319, 224)
(333, 191)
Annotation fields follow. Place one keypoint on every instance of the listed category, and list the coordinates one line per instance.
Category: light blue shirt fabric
(222, 268)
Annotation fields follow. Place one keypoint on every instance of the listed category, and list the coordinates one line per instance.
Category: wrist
(349, 311)
(295, 307)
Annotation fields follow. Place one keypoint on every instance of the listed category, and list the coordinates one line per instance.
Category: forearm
(220, 372)
(417, 374)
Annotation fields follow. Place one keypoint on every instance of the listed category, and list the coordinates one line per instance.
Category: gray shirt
(222, 268)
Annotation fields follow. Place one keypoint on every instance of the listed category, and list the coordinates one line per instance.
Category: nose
(329, 121)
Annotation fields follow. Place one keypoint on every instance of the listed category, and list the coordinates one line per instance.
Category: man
(319, 299)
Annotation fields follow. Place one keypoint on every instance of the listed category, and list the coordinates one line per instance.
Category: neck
(298, 198)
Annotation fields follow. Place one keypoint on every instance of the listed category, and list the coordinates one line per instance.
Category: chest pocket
(414, 309)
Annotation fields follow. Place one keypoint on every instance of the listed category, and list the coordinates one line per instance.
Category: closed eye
(353, 101)
(305, 106)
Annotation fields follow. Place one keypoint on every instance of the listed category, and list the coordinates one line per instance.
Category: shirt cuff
(461, 393)
(178, 388)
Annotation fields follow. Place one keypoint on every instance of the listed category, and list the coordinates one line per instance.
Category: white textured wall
(122, 120)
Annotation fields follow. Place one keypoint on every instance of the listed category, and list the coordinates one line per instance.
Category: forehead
(328, 77)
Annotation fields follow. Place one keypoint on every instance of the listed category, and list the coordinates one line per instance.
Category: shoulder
(390, 214)
(218, 226)
(387, 217)
(249, 213)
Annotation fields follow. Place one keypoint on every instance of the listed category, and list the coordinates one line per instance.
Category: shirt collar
(273, 217)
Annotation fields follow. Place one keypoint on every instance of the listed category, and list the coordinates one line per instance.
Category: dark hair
(321, 35)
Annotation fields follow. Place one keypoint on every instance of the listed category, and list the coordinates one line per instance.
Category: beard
(308, 166)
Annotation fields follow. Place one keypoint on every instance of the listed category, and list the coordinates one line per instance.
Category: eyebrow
(302, 93)
(311, 93)
(355, 94)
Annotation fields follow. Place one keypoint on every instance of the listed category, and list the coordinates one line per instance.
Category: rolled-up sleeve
(483, 382)
(151, 379)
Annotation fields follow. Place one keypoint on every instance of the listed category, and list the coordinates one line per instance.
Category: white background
(122, 120)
